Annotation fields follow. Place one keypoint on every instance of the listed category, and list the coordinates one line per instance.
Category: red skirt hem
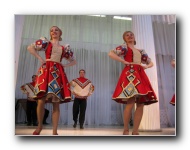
(52, 83)
(134, 83)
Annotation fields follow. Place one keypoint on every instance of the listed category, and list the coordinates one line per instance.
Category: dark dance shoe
(75, 125)
(81, 127)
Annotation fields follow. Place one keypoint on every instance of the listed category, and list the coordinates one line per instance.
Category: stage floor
(68, 130)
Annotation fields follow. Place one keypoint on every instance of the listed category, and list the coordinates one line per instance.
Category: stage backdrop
(91, 38)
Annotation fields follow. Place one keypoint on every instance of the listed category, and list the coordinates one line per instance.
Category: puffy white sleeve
(41, 44)
(120, 50)
(144, 57)
(68, 54)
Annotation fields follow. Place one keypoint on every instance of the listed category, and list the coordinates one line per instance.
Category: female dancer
(51, 84)
(133, 85)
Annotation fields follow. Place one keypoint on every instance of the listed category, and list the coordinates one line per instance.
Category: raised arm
(31, 49)
(146, 60)
(71, 63)
(114, 56)
(148, 65)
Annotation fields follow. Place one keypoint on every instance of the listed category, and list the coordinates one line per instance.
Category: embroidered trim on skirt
(133, 82)
(52, 83)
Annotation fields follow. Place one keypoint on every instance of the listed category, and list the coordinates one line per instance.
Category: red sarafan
(51, 83)
(133, 85)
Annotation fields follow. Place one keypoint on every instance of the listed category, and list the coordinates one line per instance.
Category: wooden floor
(64, 130)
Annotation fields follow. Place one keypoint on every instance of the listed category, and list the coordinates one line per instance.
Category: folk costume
(133, 81)
(81, 88)
(52, 82)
